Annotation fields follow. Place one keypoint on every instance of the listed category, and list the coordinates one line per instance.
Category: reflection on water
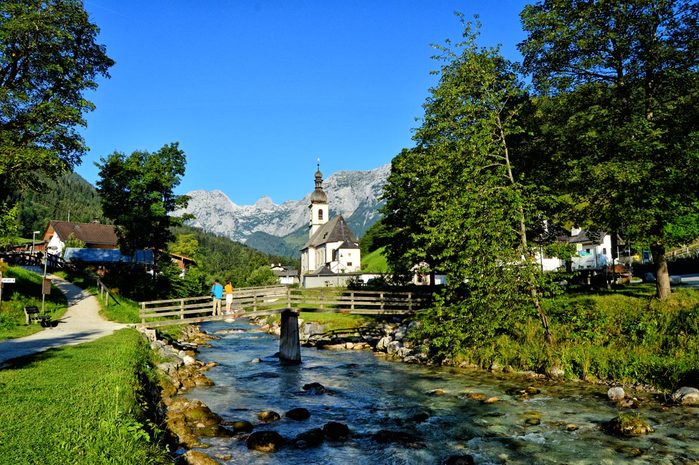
(557, 424)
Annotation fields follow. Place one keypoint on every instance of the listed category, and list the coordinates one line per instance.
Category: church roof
(335, 230)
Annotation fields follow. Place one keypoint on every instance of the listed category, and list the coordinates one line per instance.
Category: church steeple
(319, 204)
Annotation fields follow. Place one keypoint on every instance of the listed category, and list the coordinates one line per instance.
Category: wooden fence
(257, 301)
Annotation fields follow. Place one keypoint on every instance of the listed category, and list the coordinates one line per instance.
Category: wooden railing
(274, 299)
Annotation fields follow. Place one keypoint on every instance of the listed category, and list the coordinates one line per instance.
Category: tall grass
(626, 337)
(81, 405)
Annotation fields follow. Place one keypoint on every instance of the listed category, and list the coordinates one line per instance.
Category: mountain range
(282, 229)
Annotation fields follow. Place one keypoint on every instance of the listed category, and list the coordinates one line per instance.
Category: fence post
(321, 299)
(182, 309)
(254, 301)
(351, 300)
(410, 301)
(382, 302)
(288, 297)
(143, 311)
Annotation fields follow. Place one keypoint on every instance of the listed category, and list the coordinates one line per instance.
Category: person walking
(228, 290)
(217, 294)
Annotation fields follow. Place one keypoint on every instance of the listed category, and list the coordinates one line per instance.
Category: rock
(616, 394)
(476, 396)
(393, 347)
(403, 352)
(491, 400)
(189, 360)
(265, 441)
(532, 418)
(419, 417)
(404, 438)
(195, 457)
(311, 438)
(383, 343)
(298, 414)
(571, 427)
(686, 396)
(436, 392)
(256, 360)
(335, 431)
(268, 416)
(459, 460)
(556, 372)
(628, 426)
(240, 426)
(314, 388)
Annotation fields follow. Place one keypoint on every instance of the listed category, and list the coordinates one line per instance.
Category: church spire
(318, 195)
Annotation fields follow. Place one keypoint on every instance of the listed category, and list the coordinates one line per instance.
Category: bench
(33, 316)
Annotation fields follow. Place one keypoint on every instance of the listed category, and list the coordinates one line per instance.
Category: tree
(137, 194)
(619, 89)
(262, 276)
(48, 59)
(454, 202)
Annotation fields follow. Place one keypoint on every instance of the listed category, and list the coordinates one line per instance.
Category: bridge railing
(274, 299)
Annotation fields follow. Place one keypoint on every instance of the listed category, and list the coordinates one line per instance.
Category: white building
(594, 251)
(331, 256)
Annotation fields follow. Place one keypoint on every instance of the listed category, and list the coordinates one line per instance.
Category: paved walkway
(81, 323)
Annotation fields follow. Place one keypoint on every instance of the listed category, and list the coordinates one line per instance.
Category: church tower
(319, 205)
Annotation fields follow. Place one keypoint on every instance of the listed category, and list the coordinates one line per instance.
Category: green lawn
(80, 405)
(24, 292)
(375, 262)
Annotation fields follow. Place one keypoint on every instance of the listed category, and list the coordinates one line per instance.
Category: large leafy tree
(619, 100)
(49, 57)
(454, 202)
(137, 193)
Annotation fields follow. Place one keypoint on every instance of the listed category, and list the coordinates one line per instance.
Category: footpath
(81, 323)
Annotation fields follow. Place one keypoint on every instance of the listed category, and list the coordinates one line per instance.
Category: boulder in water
(404, 438)
(686, 396)
(335, 431)
(195, 457)
(628, 426)
(268, 416)
(298, 414)
(314, 388)
(240, 426)
(459, 460)
(616, 394)
(265, 441)
(419, 417)
(311, 438)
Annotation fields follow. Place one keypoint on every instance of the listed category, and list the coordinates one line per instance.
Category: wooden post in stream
(289, 343)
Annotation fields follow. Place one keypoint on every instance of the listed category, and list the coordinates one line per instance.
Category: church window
(320, 215)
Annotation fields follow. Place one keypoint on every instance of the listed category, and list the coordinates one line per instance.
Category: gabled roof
(89, 233)
(590, 237)
(322, 271)
(335, 230)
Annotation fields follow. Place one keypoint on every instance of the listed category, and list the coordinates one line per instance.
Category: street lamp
(34, 233)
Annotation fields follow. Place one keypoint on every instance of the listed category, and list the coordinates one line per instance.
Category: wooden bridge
(288, 302)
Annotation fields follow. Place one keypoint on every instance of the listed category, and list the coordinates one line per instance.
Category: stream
(558, 423)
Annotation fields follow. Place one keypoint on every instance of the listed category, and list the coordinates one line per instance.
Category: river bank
(237, 408)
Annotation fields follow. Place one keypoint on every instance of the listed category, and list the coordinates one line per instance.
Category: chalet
(286, 275)
(331, 256)
(93, 235)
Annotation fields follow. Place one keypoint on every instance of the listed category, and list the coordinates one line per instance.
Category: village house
(331, 257)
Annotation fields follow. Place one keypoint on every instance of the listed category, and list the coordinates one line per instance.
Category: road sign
(8, 280)
(46, 287)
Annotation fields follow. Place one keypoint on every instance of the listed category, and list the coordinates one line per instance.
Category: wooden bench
(33, 316)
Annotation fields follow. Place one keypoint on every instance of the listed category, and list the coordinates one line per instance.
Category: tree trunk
(662, 276)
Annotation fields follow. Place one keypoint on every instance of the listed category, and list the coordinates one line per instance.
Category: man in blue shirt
(217, 294)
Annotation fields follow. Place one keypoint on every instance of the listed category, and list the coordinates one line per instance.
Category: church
(331, 255)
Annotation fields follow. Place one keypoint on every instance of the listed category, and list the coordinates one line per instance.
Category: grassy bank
(26, 291)
(81, 405)
(624, 336)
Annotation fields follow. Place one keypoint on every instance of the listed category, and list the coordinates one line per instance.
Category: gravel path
(81, 323)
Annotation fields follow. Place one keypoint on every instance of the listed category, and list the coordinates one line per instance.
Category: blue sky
(256, 91)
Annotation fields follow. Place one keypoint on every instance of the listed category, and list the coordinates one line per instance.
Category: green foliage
(106, 419)
(185, 244)
(262, 276)
(9, 225)
(137, 193)
(69, 197)
(376, 236)
(49, 58)
(455, 204)
(618, 114)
